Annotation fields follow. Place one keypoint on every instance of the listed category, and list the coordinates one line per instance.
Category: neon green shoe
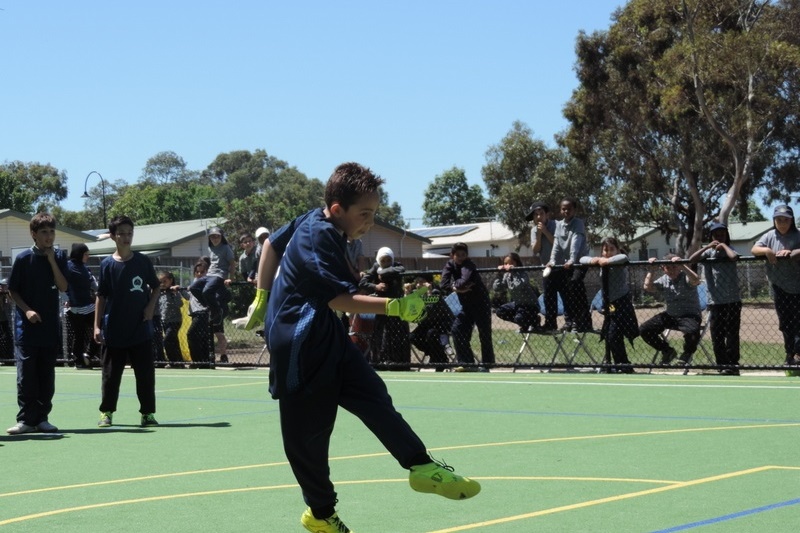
(439, 478)
(105, 419)
(148, 420)
(332, 524)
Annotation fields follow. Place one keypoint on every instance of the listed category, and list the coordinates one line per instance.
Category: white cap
(262, 231)
(384, 252)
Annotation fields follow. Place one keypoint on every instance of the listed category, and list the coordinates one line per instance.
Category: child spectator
(213, 292)
(248, 261)
(37, 276)
(80, 315)
(198, 334)
(619, 316)
(460, 275)
(170, 301)
(432, 333)
(678, 285)
(6, 337)
(777, 246)
(569, 245)
(725, 304)
(390, 342)
(314, 366)
(523, 307)
(542, 247)
(127, 295)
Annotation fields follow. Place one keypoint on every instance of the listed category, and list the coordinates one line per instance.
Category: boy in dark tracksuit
(460, 275)
(314, 366)
(127, 295)
(37, 276)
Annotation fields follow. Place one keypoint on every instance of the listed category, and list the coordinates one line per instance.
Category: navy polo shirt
(126, 286)
(305, 337)
(32, 278)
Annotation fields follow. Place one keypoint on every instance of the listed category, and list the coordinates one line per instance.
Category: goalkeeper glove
(259, 307)
(409, 308)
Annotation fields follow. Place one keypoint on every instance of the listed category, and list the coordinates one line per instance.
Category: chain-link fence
(727, 336)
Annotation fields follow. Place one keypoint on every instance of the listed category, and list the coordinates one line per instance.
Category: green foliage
(31, 187)
(166, 168)
(154, 204)
(521, 170)
(450, 200)
(684, 102)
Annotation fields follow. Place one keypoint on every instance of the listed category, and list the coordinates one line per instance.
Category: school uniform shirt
(569, 242)
(306, 339)
(464, 275)
(785, 273)
(547, 246)
(618, 285)
(126, 287)
(81, 282)
(32, 278)
(518, 284)
(721, 277)
(681, 296)
(221, 257)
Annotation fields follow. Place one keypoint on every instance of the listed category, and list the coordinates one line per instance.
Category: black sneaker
(668, 355)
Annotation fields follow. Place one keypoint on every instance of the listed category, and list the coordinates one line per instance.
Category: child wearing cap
(784, 276)
(390, 343)
(542, 236)
(724, 303)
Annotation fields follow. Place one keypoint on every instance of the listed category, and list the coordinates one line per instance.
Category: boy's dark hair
(167, 274)
(349, 182)
(77, 251)
(42, 220)
(573, 202)
(118, 221)
(206, 261)
(613, 241)
(514, 256)
(459, 246)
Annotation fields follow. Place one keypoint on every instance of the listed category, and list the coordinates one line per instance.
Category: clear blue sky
(410, 88)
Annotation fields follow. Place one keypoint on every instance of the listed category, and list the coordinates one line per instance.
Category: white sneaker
(46, 427)
(20, 428)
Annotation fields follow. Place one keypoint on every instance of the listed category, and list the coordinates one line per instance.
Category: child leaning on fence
(678, 285)
(619, 316)
(783, 273)
(724, 302)
(523, 306)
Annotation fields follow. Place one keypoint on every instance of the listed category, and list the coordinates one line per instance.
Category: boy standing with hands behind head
(37, 276)
(314, 366)
(127, 294)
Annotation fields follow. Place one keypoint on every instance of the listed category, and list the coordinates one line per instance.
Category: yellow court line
(615, 435)
(294, 485)
(671, 485)
(384, 453)
(610, 499)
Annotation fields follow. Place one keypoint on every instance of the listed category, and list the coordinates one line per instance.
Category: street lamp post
(102, 193)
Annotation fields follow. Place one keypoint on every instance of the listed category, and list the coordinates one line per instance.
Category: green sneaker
(148, 419)
(105, 419)
(439, 478)
(332, 524)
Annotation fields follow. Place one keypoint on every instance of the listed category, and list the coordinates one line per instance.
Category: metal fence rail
(761, 342)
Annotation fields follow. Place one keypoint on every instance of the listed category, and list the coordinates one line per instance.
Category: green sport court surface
(557, 452)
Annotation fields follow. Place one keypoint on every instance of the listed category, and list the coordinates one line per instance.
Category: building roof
(440, 236)
(4, 213)
(159, 237)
